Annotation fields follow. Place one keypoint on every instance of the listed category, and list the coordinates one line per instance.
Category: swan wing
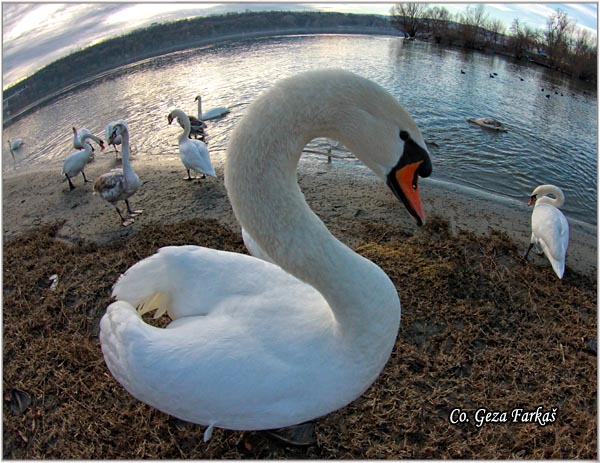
(550, 230)
(214, 113)
(193, 280)
(251, 346)
(194, 155)
(110, 186)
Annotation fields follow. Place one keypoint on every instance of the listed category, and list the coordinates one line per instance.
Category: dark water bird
(495, 73)
(462, 72)
(547, 96)
(491, 75)
(521, 79)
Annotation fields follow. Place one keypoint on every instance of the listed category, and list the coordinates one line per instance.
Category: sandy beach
(336, 195)
(481, 329)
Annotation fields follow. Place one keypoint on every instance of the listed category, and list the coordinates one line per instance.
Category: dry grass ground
(480, 329)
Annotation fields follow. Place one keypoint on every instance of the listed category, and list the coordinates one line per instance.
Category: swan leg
(132, 213)
(189, 177)
(528, 249)
(300, 435)
(85, 180)
(125, 222)
(71, 186)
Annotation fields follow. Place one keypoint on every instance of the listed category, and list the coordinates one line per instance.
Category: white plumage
(119, 185)
(108, 130)
(212, 113)
(255, 345)
(549, 227)
(75, 162)
(193, 153)
(15, 145)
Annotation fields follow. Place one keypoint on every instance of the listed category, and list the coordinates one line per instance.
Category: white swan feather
(259, 345)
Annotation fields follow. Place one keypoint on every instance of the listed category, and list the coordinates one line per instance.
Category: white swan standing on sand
(15, 145)
(116, 140)
(119, 185)
(193, 153)
(75, 162)
(212, 113)
(549, 227)
(253, 345)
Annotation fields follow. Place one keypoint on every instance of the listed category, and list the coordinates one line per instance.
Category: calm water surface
(550, 140)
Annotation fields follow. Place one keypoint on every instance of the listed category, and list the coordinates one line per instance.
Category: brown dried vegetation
(480, 329)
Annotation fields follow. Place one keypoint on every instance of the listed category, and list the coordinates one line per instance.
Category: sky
(35, 34)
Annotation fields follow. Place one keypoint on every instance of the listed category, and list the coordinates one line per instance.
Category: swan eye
(404, 135)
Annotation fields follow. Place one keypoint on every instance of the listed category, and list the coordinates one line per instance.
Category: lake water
(549, 140)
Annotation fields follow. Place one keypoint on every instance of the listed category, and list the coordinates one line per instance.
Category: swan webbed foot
(85, 180)
(127, 222)
(189, 177)
(299, 435)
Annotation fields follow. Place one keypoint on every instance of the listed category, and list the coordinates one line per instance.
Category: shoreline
(337, 195)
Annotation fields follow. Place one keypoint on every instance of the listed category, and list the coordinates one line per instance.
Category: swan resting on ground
(193, 153)
(549, 226)
(255, 345)
(75, 162)
(119, 185)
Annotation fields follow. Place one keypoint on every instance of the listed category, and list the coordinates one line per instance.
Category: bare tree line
(561, 45)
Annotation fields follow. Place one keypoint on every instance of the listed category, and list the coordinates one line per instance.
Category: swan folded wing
(110, 185)
(551, 229)
(192, 280)
(196, 157)
(239, 374)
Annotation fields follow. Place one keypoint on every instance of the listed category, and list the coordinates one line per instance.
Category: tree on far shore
(408, 17)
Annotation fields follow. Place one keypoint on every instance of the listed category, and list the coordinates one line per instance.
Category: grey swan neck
(267, 145)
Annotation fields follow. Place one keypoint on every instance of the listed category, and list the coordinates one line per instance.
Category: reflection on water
(550, 140)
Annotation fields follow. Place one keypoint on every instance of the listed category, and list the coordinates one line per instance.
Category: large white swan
(75, 162)
(254, 345)
(193, 153)
(212, 113)
(119, 185)
(549, 227)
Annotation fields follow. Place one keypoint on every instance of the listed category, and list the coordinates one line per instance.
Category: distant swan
(116, 140)
(75, 162)
(254, 345)
(193, 153)
(549, 227)
(119, 185)
(488, 123)
(211, 113)
(15, 145)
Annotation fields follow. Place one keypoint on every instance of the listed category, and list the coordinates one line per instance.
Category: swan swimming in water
(212, 113)
(193, 153)
(75, 162)
(119, 185)
(255, 345)
(549, 226)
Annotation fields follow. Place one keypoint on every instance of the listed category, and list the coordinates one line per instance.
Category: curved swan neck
(185, 121)
(267, 144)
(543, 190)
(199, 98)
(127, 169)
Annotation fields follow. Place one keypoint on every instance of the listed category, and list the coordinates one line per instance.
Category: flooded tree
(408, 17)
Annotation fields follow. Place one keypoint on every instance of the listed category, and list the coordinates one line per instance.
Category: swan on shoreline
(255, 345)
(193, 153)
(212, 113)
(549, 226)
(119, 185)
(15, 145)
(114, 140)
(75, 162)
